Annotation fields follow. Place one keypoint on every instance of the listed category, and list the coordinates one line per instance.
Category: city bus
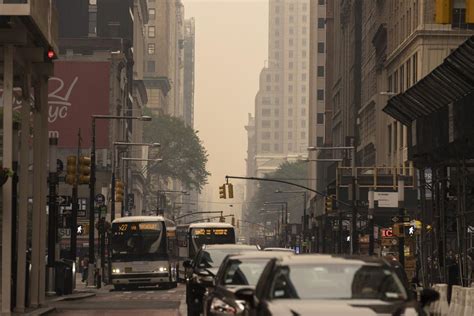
(144, 252)
(191, 237)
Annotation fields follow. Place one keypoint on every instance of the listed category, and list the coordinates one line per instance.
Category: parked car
(331, 285)
(236, 272)
(202, 270)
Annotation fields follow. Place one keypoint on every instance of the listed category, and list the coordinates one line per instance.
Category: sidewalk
(80, 292)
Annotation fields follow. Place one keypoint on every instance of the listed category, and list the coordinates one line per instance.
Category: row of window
(276, 101)
(268, 112)
(291, 42)
(290, 77)
(404, 77)
(276, 147)
(276, 135)
(268, 124)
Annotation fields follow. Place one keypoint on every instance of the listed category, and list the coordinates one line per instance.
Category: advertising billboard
(78, 90)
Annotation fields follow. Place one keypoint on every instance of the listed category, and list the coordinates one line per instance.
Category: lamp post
(112, 191)
(304, 223)
(91, 268)
(162, 193)
(285, 204)
(354, 233)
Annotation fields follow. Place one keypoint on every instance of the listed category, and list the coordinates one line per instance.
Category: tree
(295, 172)
(184, 156)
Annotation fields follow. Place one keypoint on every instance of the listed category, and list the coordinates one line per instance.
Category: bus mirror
(187, 264)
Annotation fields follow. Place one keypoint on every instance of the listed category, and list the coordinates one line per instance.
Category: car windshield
(337, 281)
(212, 258)
(245, 272)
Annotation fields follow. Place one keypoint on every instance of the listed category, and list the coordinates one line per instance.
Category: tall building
(282, 105)
(317, 83)
(189, 46)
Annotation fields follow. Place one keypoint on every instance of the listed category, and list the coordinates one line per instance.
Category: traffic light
(230, 189)
(470, 11)
(328, 204)
(119, 189)
(84, 170)
(444, 11)
(71, 170)
(222, 193)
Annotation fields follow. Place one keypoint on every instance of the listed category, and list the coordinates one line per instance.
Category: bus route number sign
(209, 232)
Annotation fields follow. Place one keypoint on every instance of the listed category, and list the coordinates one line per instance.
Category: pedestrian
(85, 269)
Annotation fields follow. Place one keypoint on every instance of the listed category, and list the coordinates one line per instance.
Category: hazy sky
(231, 48)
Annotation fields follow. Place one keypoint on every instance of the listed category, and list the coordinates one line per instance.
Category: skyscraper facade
(282, 102)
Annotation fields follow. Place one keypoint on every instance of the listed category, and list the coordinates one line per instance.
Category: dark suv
(202, 270)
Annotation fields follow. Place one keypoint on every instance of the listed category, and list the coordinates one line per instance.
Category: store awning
(449, 82)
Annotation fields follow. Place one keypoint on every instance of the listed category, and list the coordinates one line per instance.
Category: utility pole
(91, 269)
(75, 203)
(354, 232)
(401, 213)
(370, 223)
(52, 216)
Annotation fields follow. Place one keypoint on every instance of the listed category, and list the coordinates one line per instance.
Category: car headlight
(115, 270)
(162, 269)
(219, 306)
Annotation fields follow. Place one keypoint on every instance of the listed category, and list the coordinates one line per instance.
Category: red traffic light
(51, 54)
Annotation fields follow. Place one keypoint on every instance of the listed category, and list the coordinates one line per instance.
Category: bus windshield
(212, 235)
(137, 241)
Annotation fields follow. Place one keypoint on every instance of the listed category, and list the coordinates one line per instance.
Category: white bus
(144, 252)
(191, 237)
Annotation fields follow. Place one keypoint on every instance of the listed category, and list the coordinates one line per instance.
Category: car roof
(331, 259)
(230, 246)
(260, 255)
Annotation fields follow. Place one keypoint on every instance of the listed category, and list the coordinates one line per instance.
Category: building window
(321, 23)
(266, 135)
(290, 100)
(151, 49)
(151, 32)
(303, 135)
(277, 78)
(402, 78)
(277, 43)
(277, 112)
(320, 94)
(292, 7)
(303, 54)
(276, 135)
(290, 112)
(395, 82)
(305, 7)
(151, 13)
(304, 42)
(276, 147)
(266, 123)
(303, 77)
(319, 141)
(320, 118)
(321, 2)
(266, 112)
(277, 101)
(290, 65)
(304, 65)
(268, 88)
(415, 68)
(290, 135)
(150, 66)
(320, 71)
(277, 9)
(303, 100)
(277, 21)
(303, 124)
(305, 18)
(408, 75)
(290, 88)
(290, 54)
(304, 30)
(290, 42)
(292, 19)
(303, 89)
(277, 55)
(269, 78)
(290, 124)
(290, 77)
(291, 31)
(265, 147)
(321, 47)
(277, 124)
(390, 84)
(290, 146)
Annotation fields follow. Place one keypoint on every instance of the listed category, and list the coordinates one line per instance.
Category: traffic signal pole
(370, 222)
(91, 268)
(75, 204)
(52, 214)
(401, 212)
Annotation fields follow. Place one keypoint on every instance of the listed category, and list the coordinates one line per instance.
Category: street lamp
(112, 191)
(90, 277)
(304, 193)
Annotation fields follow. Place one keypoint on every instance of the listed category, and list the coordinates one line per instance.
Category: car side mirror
(247, 295)
(187, 263)
(428, 296)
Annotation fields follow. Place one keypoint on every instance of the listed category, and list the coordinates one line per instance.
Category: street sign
(386, 199)
(100, 199)
(64, 200)
(64, 232)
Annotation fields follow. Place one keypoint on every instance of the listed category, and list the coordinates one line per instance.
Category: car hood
(338, 307)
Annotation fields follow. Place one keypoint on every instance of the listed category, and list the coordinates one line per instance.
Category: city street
(144, 301)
